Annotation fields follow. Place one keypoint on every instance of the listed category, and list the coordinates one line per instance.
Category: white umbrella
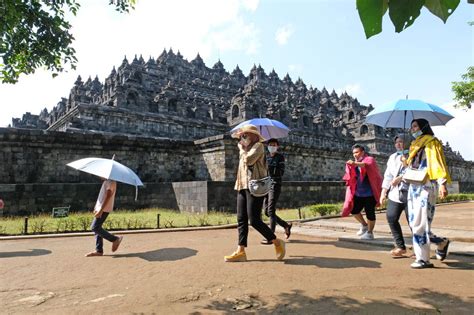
(268, 128)
(108, 169)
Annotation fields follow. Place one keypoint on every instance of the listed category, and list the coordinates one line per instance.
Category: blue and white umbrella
(400, 114)
(268, 128)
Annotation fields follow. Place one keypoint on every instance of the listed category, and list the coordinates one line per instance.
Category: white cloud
(283, 34)
(104, 36)
(250, 5)
(353, 89)
(458, 131)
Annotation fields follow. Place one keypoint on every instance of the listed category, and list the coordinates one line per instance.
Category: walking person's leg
(276, 195)
(369, 206)
(96, 227)
(242, 228)
(417, 209)
(442, 243)
(254, 208)
(356, 209)
(394, 210)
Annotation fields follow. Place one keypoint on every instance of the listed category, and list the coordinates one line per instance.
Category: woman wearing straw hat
(249, 207)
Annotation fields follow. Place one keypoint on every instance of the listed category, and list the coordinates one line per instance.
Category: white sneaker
(367, 236)
(363, 230)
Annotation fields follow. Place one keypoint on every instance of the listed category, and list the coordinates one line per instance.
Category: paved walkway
(326, 270)
(455, 221)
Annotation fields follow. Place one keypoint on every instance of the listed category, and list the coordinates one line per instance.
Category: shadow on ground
(26, 253)
(163, 254)
(418, 301)
(333, 263)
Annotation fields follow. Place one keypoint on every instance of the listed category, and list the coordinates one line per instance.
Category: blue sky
(322, 42)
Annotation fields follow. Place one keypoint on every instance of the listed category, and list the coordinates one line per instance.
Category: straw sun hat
(248, 129)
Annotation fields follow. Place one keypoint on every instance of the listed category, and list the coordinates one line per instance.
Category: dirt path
(184, 272)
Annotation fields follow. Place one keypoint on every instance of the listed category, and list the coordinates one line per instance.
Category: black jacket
(276, 166)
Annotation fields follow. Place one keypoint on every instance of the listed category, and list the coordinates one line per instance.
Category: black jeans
(394, 210)
(250, 208)
(100, 233)
(269, 204)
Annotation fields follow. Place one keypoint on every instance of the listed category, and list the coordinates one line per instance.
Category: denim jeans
(100, 233)
(394, 210)
(250, 208)
(269, 204)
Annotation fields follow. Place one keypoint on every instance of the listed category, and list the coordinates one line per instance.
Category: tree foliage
(402, 13)
(35, 33)
(464, 90)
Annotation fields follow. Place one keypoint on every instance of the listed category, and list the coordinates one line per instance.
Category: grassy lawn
(147, 219)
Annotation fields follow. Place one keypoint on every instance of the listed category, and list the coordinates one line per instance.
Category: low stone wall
(220, 196)
(41, 198)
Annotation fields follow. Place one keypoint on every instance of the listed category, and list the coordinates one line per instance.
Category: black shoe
(266, 242)
(288, 230)
(442, 253)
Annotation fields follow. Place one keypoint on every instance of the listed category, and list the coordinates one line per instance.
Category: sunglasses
(244, 136)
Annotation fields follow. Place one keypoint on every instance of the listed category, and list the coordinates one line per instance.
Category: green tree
(402, 12)
(464, 90)
(35, 33)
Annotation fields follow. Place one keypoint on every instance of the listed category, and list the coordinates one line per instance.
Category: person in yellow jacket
(426, 152)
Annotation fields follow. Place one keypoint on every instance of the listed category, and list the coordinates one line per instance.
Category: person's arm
(355, 163)
(383, 195)
(281, 165)
(443, 189)
(2, 204)
(254, 154)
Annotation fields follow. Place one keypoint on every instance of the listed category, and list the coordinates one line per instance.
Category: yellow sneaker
(280, 249)
(236, 257)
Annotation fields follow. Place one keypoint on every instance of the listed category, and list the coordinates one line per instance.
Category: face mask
(272, 149)
(401, 152)
(245, 141)
(417, 134)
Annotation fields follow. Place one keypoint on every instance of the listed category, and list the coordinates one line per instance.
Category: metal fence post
(25, 230)
(157, 220)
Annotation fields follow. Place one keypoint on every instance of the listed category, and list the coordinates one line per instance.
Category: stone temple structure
(188, 107)
(172, 98)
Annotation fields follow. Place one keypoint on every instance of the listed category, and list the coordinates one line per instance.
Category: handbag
(259, 187)
(415, 176)
(402, 193)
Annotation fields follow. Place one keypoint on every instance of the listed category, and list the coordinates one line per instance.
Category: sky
(320, 41)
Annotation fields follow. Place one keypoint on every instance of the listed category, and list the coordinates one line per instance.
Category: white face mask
(417, 134)
(272, 149)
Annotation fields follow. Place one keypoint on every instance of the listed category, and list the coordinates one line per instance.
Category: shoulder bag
(259, 187)
(415, 176)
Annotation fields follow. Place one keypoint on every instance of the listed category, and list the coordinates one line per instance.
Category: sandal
(398, 252)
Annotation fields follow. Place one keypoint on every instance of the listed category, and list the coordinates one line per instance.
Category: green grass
(147, 219)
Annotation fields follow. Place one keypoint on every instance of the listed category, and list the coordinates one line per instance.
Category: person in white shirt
(396, 191)
(102, 209)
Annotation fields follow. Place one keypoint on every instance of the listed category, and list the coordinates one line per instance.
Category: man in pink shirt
(103, 206)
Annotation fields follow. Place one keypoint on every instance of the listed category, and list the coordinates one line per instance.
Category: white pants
(421, 209)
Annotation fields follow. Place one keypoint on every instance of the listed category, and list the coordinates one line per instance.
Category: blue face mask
(402, 152)
(417, 134)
